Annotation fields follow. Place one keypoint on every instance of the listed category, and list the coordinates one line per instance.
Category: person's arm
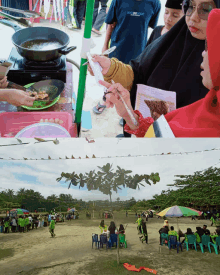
(108, 35)
(120, 73)
(16, 97)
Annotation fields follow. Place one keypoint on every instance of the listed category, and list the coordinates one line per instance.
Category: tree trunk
(118, 257)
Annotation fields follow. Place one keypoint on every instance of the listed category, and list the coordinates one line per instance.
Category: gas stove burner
(54, 64)
(24, 71)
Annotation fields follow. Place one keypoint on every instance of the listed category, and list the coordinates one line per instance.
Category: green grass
(9, 252)
(108, 265)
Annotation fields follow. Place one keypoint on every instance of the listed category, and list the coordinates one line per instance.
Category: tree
(107, 181)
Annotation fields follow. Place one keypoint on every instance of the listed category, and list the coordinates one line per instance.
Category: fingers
(105, 84)
(156, 115)
(90, 70)
(3, 83)
(4, 79)
(98, 58)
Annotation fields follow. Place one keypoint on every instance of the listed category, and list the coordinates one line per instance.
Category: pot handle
(10, 24)
(65, 51)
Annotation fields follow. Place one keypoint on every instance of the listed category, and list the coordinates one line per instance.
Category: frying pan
(58, 40)
(52, 87)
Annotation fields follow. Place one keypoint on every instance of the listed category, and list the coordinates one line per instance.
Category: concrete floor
(104, 125)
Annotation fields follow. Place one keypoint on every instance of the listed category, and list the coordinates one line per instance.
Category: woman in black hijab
(173, 13)
(171, 62)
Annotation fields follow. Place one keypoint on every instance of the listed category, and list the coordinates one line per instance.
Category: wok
(39, 43)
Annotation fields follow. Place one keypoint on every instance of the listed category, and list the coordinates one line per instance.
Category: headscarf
(201, 119)
(174, 4)
(200, 231)
(172, 62)
(189, 231)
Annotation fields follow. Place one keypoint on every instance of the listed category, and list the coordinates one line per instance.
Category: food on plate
(51, 120)
(40, 95)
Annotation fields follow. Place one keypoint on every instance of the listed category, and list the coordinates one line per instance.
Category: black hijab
(172, 62)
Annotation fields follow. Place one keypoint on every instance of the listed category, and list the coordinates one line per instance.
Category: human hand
(113, 98)
(4, 83)
(19, 98)
(104, 62)
(105, 48)
(156, 116)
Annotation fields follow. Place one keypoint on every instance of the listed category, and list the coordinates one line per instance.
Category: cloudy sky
(41, 175)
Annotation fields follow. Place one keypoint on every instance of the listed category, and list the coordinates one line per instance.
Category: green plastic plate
(42, 107)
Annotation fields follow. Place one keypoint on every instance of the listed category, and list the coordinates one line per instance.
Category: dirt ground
(70, 252)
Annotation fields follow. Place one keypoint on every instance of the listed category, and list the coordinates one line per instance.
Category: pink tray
(13, 122)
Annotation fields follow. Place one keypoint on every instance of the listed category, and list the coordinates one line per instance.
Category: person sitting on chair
(121, 229)
(103, 227)
(112, 228)
(164, 230)
(206, 231)
(216, 234)
(199, 232)
(188, 232)
(172, 232)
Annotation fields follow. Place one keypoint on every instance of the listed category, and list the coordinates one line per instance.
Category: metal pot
(58, 40)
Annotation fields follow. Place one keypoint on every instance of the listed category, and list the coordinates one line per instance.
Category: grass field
(70, 252)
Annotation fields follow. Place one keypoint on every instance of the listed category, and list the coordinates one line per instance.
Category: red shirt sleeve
(144, 124)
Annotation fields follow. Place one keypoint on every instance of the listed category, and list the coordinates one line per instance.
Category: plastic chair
(122, 240)
(205, 240)
(104, 240)
(191, 240)
(95, 239)
(172, 242)
(163, 237)
(113, 239)
(216, 245)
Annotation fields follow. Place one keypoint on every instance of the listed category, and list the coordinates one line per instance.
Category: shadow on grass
(8, 252)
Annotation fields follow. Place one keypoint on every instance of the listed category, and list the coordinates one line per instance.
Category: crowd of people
(25, 223)
(200, 231)
(111, 230)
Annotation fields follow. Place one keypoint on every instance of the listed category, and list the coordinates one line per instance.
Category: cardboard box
(4, 68)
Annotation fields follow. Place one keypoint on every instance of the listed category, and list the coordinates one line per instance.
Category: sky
(40, 175)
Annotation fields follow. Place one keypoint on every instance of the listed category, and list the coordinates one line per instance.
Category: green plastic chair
(216, 245)
(205, 240)
(164, 237)
(191, 240)
(122, 240)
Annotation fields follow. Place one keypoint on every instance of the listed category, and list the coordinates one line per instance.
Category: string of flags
(107, 157)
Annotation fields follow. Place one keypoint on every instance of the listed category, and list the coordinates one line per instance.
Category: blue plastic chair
(163, 237)
(192, 241)
(216, 245)
(205, 240)
(104, 240)
(172, 242)
(113, 239)
(95, 239)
